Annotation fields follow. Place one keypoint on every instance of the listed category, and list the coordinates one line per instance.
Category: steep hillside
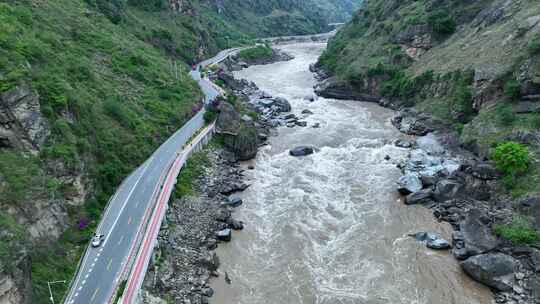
(88, 89)
(475, 65)
(279, 17)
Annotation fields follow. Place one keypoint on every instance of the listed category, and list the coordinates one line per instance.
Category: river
(330, 228)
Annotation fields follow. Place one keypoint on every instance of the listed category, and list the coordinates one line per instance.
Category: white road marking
(83, 282)
(121, 239)
(127, 199)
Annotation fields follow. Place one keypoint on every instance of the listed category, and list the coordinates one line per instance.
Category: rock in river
(233, 201)
(495, 270)
(433, 240)
(419, 197)
(301, 151)
(224, 235)
(409, 183)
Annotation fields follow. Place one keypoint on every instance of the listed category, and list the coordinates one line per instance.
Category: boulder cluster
(460, 188)
(194, 226)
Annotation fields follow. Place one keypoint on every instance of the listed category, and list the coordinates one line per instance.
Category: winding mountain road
(102, 269)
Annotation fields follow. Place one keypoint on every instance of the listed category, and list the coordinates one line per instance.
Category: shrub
(534, 46)
(442, 23)
(464, 99)
(210, 114)
(505, 115)
(511, 158)
(520, 231)
(512, 89)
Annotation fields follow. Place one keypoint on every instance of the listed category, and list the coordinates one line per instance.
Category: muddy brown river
(330, 228)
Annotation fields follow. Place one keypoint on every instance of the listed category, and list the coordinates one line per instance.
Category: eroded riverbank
(330, 228)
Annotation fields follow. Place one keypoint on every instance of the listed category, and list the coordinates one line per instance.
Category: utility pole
(50, 291)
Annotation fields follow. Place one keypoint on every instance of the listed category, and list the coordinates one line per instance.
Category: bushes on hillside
(512, 89)
(534, 46)
(442, 23)
(511, 158)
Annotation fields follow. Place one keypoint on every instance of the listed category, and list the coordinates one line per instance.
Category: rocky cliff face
(22, 126)
(238, 135)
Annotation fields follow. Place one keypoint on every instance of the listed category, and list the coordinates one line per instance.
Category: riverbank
(201, 215)
(462, 189)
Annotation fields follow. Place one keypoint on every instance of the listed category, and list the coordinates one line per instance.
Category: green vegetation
(441, 22)
(512, 89)
(194, 169)
(258, 52)
(534, 46)
(120, 291)
(511, 158)
(520, 231)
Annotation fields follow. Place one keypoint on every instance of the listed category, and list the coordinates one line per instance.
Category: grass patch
(520, 231)
(194, 169)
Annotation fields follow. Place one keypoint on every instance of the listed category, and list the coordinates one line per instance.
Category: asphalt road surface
(101, 268)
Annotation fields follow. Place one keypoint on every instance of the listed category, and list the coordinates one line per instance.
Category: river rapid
(330, 228)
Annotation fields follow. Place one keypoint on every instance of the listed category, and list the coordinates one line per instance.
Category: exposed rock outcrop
(238, 135)
(22, 126)
(334, 88)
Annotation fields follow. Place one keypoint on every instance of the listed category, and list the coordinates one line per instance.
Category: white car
(97, 239)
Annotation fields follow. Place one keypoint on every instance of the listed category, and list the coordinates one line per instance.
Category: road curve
(128, 211)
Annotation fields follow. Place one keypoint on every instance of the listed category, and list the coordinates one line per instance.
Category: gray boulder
(495, 270)
(282, 104)
(404, 143)
(447, 189)
(476, 234)
(409, 183)
(432, 240)
(224, 235)
(302, 151)
(484, 171)
(233, 201)
(419, 197)
(531, 207)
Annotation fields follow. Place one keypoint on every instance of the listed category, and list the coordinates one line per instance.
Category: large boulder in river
(495, 270)
(432, 240)
(238, 135)
(409, 183)
(282, 104)
(302, 151)
(419, 197)
(337, 89)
